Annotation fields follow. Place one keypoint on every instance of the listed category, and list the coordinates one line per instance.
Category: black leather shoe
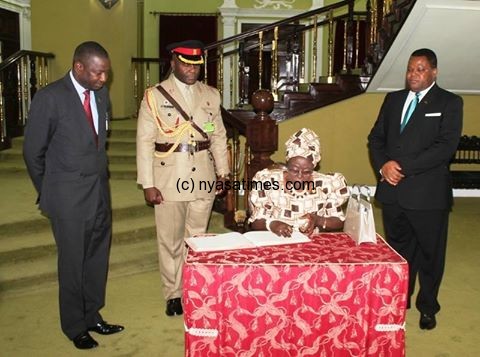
(84, 341)
(105, 329)
(427, 321)
(174, 307)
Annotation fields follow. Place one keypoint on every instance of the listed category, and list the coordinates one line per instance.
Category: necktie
(88, 112)
(408, 113)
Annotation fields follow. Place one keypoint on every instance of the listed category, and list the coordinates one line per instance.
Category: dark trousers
(420, 236)
(83, 247)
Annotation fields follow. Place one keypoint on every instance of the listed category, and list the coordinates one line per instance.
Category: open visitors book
(235, 240)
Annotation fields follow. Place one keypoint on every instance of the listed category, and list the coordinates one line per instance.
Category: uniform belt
(197, 146)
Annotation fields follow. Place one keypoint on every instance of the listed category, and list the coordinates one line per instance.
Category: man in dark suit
(416, 133)
(64, 151)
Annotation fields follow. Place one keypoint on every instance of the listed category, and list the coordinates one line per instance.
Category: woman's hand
(309, 223)
(281, 229)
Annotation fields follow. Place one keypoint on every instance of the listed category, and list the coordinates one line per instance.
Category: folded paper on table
(235, 240)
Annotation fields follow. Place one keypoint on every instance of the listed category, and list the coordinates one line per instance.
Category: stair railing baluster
(357, 41)
(228, 217)
(344, 62)
(147, 74)
(205, 80)
(243, 75)
(330, 48)
(260, 59)
(274, 56)
(33, 75)
(296, 53)
(3, 124)
(220, 71)
(235, 156)
(314, 49)
(349, 43)
(40, 72)
(302, 58)
(373, 28)
(232, 69)
(246, 191)
(19, 91)
(46, 71)
(135, 84)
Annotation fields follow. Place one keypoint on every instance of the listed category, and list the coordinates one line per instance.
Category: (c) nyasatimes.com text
(206, 185)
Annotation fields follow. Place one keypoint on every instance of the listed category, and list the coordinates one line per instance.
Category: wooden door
(181, 27)
(10, 43)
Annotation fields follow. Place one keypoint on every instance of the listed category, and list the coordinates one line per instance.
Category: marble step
(114, 157)
(21, 216)
(113, 144)
(30, 247)
(122, 171)
(125, 259)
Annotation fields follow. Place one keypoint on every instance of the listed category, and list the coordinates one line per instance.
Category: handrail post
(262, 132)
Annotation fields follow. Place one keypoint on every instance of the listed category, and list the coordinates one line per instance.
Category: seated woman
(299, 198)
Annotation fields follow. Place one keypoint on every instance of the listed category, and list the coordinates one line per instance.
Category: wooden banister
(20, 76)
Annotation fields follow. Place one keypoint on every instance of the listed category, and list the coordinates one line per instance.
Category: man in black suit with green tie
(416, 134)
(64, 150)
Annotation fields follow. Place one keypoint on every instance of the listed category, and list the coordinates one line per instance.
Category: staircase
(27, 247)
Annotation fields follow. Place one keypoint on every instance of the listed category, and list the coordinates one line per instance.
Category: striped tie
(408, 114)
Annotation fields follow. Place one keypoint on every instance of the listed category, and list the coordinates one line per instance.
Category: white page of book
(235, 240)
(224, 241)
(265, 238)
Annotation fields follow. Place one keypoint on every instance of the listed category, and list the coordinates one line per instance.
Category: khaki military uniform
(178, 175)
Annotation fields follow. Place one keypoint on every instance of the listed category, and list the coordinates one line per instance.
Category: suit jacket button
(193, 168)
(162, 163)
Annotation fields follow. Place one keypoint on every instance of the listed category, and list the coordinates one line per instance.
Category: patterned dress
(271, 198)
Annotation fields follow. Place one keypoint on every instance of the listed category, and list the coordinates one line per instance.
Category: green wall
(299, 4)
(58, 26)
(343, 129)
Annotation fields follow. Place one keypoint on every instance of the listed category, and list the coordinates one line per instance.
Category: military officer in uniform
(181, 141)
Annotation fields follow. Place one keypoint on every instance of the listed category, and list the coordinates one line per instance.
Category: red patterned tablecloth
(325, 298)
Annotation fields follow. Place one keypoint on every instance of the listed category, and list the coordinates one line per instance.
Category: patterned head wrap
(304, 143)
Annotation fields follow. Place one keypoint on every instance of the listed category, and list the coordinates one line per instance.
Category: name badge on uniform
(208, 127)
